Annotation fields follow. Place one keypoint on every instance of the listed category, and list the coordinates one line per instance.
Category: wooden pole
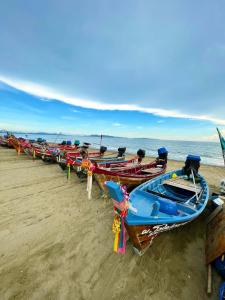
(209, 279)
(223, 150)
(193, 178)
(101, 141)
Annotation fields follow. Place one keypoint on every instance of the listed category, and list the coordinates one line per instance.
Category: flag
(222, 143)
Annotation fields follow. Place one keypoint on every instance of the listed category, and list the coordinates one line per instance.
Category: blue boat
(161, 204)
(222, 291)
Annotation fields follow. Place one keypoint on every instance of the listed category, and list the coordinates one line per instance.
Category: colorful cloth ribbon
(118, 228)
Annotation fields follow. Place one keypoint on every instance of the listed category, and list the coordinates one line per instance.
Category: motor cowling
(103, 149)
(162, 154)
(63, 143)
(121, 151)
(192, 164)
(141, 155)
(40, 140)
(77, 143)
(85, 145)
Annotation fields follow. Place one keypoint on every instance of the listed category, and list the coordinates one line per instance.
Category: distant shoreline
(103, 136)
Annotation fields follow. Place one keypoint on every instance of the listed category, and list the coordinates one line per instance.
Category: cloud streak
(46, 93)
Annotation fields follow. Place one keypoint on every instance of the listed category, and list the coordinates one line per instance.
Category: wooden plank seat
(151, 170)
(120, 168)
(183, 184)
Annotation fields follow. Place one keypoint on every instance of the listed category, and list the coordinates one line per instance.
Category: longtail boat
(73, 158)
(161, 204)
(47, 151)
(35, 149)
(52, 154)
(4, 142)
(16, 143)
(132, 174)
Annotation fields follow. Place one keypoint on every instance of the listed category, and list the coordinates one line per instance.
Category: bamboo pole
(209, 279)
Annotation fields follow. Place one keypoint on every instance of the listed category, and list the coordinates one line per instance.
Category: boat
(222, 291)
(75, 159)
(132, 174)
(4, 141)
(35, 148)
(161, 204)
(16, 143)
(52, 153)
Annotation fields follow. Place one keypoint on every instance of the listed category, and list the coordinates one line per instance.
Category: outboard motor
(85, 145)
(77, 143)
(68, 143)
(40, 140)
(121, 151)
(141, 155)
(162, 155)
(63, 143)
(31, 141)
(103, 149)
(192, 163)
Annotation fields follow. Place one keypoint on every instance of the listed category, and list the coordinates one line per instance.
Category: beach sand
(57, 244)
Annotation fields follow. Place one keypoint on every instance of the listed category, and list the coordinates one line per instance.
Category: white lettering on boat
(160, 228)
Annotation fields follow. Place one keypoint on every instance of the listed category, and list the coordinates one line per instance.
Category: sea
(210, 152)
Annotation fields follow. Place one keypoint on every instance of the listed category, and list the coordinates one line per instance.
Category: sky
(129, 68)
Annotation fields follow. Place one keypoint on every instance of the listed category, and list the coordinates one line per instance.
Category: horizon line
(99, 135)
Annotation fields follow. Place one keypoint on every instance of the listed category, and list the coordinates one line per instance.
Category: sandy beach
(57, 244)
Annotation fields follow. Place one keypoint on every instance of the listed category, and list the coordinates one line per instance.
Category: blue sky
(129, 68)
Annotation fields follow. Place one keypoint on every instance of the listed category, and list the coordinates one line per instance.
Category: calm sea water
(210, 152)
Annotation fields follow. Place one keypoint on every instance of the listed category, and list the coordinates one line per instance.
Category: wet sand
(57, 244)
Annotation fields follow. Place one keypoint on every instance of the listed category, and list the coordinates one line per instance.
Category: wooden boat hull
(159, 205)
(30, 152)
(130, 182)
(103, 159)
(16, 143)
(4, 142)
(141, 236)
(71, 158)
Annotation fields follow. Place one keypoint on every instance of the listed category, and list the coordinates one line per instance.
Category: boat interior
(142, 169)
(176, 198)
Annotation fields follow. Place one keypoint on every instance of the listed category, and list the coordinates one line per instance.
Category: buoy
(174, 175)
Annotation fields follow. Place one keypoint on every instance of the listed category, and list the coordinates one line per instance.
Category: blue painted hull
(156, 207)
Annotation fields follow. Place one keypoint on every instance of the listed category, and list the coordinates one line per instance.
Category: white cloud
(47, 93)
(116, 124)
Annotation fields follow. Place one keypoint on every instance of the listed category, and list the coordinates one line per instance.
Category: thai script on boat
(160, 228)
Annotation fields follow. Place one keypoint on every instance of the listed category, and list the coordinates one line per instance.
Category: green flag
(222, 143)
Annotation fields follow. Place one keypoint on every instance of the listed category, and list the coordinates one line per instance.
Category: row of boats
(158, 201)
